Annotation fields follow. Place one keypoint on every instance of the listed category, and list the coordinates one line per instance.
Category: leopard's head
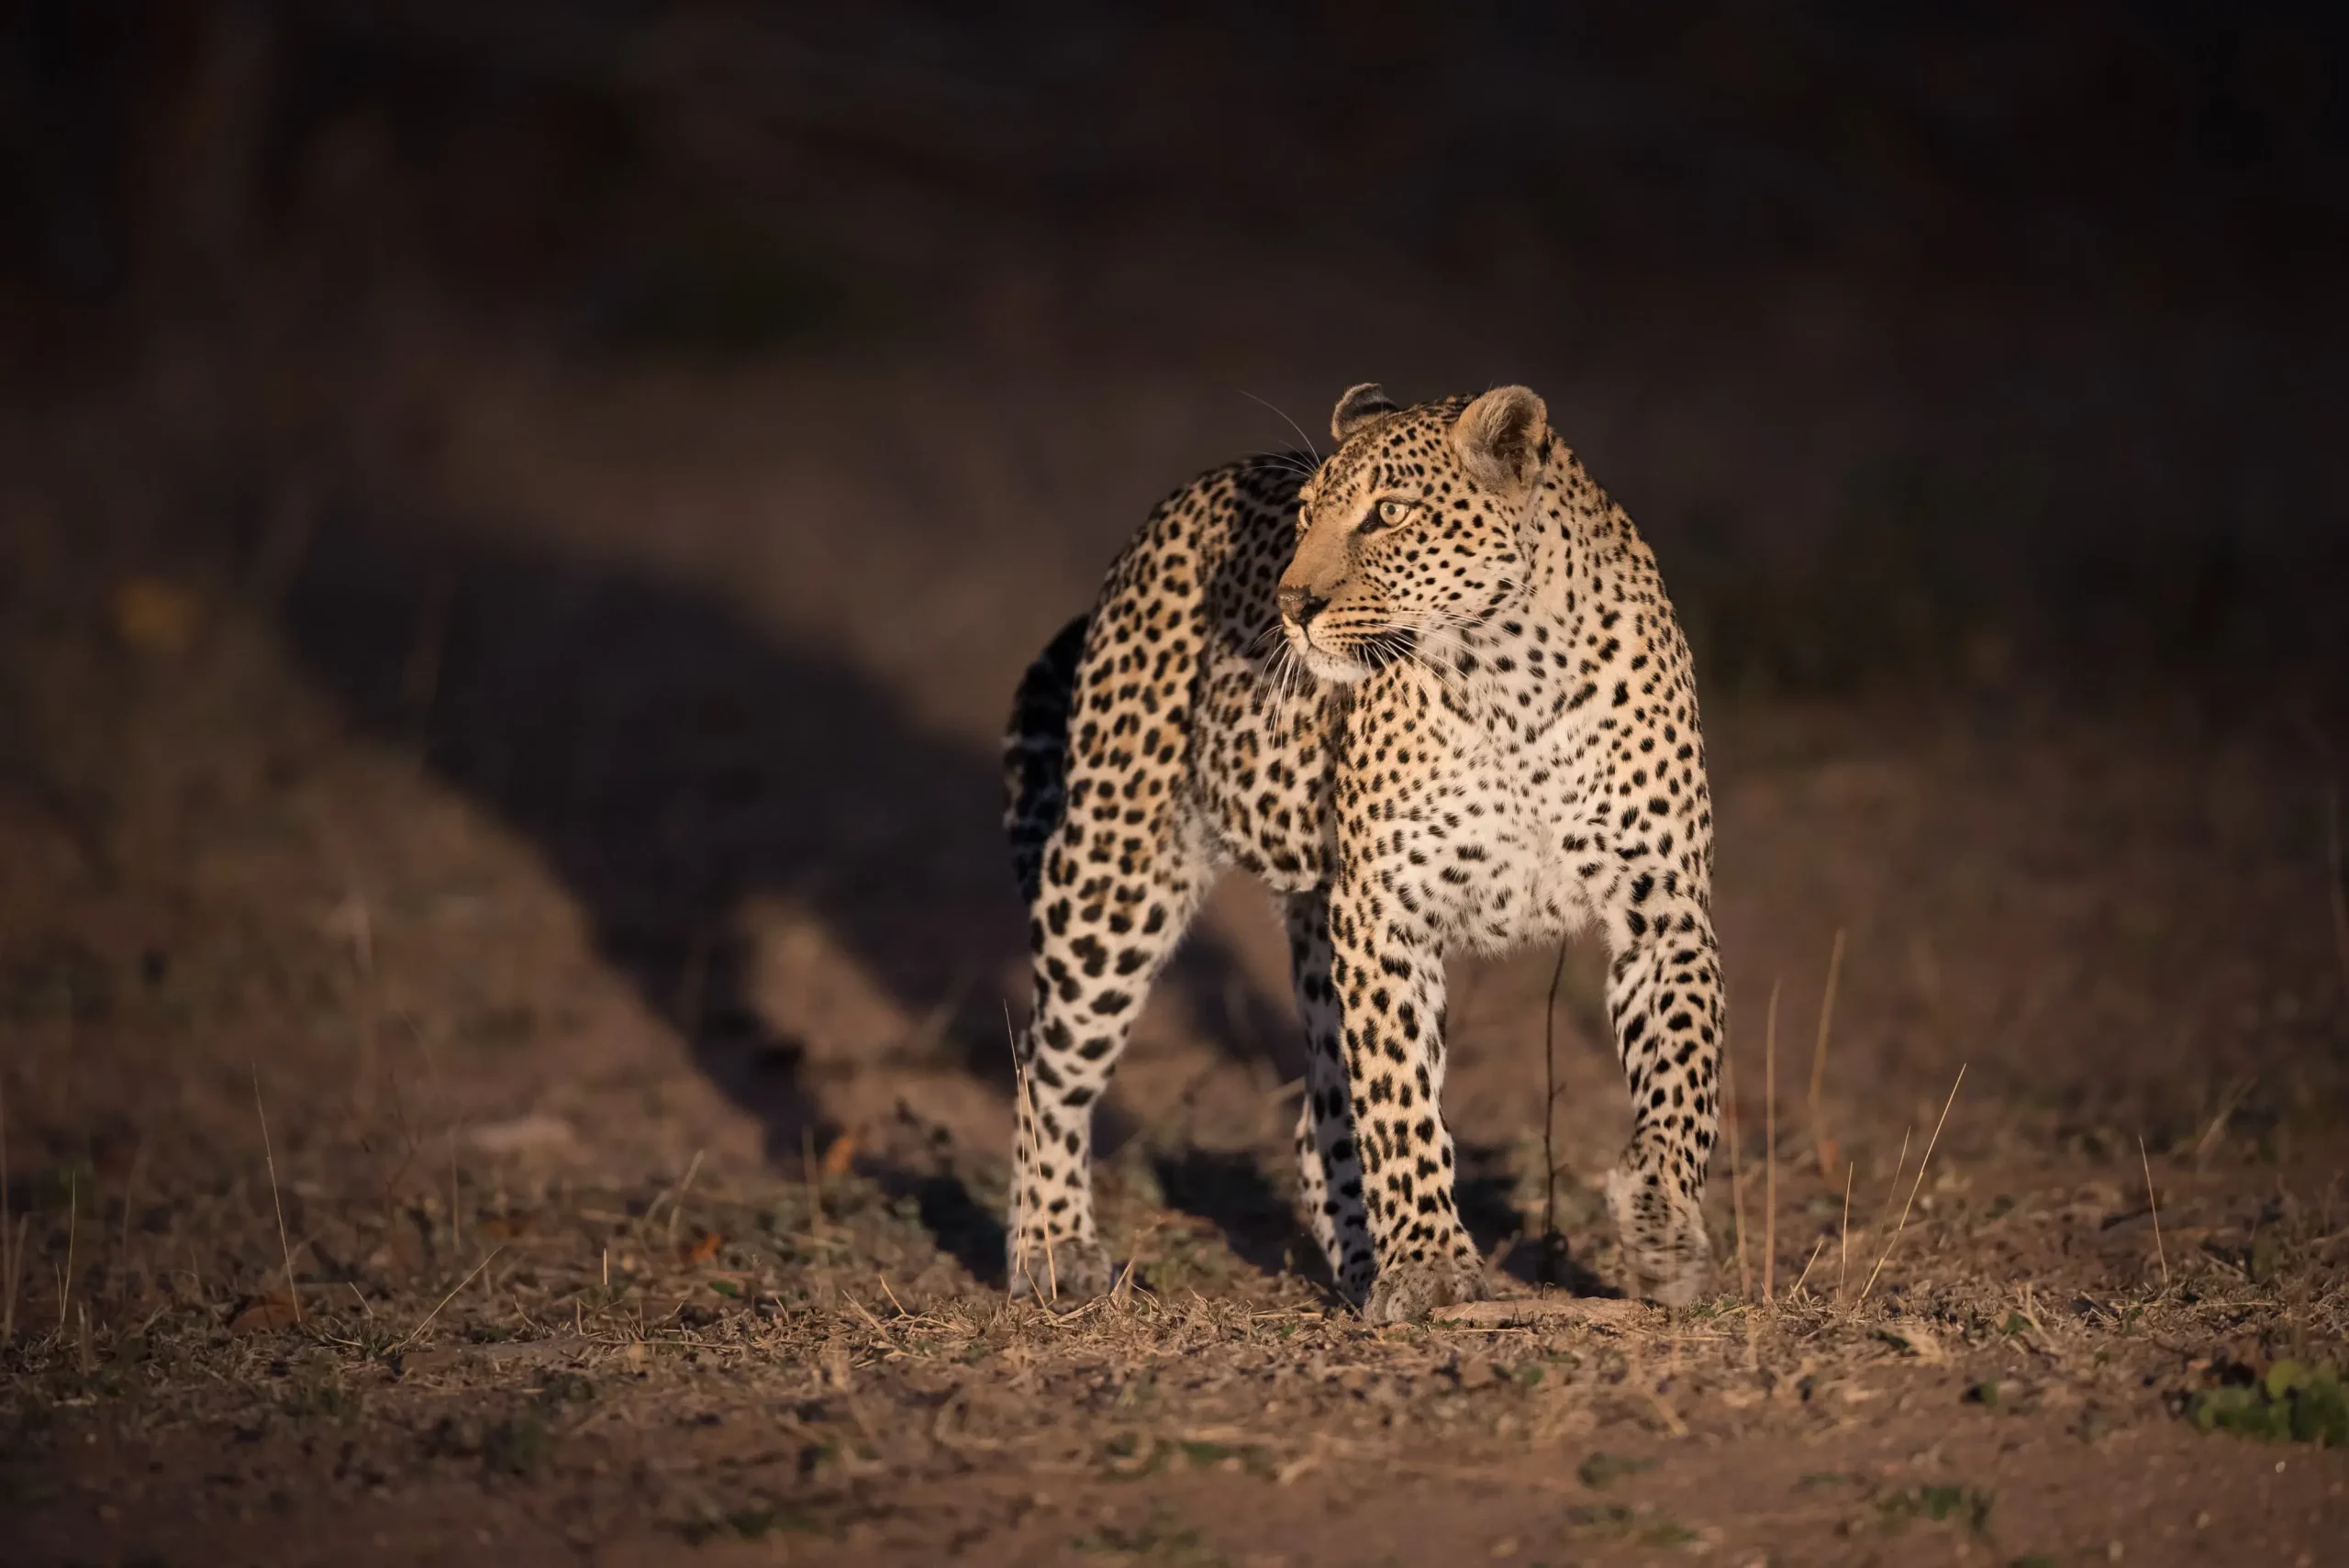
(1409, 533)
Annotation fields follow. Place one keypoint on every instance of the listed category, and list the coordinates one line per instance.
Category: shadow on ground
(671, 761)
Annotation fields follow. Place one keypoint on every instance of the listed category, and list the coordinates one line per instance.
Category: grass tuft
(2294, 1402)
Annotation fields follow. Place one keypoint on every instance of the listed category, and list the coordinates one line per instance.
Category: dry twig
(420, 1328)
(1736, 1176)
(1550, 1116)
(2154, 1204)
(270, 1158)
(1843, 1258)
(1815, 1250)
(1822, 1145)
(1925, 1160)
(16, 1277)
(676, 1197)
(7, 1253)
(72, 1224)
(1770, 1148)
(2218, 1125)
(2337, 879)
(1899, 1164)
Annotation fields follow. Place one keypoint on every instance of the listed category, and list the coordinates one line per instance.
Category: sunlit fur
(1430, 692)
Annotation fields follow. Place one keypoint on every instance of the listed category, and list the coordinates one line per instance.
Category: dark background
(520, 524)
(2092, 252)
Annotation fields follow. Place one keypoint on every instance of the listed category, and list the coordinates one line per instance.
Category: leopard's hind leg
(1112, 878)
(1035, 752)
(1328, 1166)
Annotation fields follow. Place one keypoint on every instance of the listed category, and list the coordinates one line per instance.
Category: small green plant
(1941, 1505)
(1603, 1469)
(1132, 1455)
(2294, 1403)
(322, 1398)
(1158, 1539)
(518, 1447)
(564, 1388)
(1621, 1521)
(754, 1524)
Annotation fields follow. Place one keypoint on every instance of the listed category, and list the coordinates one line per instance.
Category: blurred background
(1962, 339)
(520, 523)
(651, 438)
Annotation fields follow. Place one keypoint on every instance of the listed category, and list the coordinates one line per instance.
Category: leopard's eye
(1386, 513)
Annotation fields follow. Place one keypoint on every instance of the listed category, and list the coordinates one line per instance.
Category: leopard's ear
(1499, 438)
(1360, 405)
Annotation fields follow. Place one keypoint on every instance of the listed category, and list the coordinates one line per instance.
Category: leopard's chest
(1476, 835)
(1455, 796)
(1264, 757)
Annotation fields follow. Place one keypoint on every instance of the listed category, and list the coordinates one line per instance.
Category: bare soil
(517, 856)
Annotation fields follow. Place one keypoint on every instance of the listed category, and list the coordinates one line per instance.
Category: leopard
(1430, 692)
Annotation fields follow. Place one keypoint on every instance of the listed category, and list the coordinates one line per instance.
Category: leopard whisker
(1287, 463)
(1292, 424)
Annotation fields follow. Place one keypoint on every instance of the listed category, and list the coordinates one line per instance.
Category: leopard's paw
(1667, 1258)
(1408, 1292)
(1069, 1275)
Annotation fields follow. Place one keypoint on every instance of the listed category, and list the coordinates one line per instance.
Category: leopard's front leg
(1663, 995)
(1386, 968)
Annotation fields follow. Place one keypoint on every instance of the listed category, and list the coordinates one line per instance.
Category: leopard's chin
(1356, 662)
(1340, 669)
(1337, 668)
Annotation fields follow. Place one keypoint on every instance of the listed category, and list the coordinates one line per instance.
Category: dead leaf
(1528, 1311)
(1916, 1342)
(266, 1315)
(507, 1226)
(155, 615)
(838, 1158)
(704, 1248)
(537, 1132)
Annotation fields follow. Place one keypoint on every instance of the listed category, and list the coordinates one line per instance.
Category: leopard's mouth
(1347, 658)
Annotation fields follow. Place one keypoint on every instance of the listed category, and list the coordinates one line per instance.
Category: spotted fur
(1432, 692)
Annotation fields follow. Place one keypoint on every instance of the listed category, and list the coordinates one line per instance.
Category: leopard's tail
(1035, 753)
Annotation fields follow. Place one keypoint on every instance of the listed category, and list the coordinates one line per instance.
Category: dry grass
(556, 1361)
(1736, 1176)
(2154, 1207)
(1550, 1236)
(588, 1338)
(11, 1249)
(1822, 1146)
(1843, 1235)
(1770, 1148)
(276, 1201)
(666, 1328)
(1923, 1161)
(2336, 881)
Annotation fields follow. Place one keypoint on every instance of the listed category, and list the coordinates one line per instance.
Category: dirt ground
(504, 960)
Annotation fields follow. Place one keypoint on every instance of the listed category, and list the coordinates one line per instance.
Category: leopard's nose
(1300, 604)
